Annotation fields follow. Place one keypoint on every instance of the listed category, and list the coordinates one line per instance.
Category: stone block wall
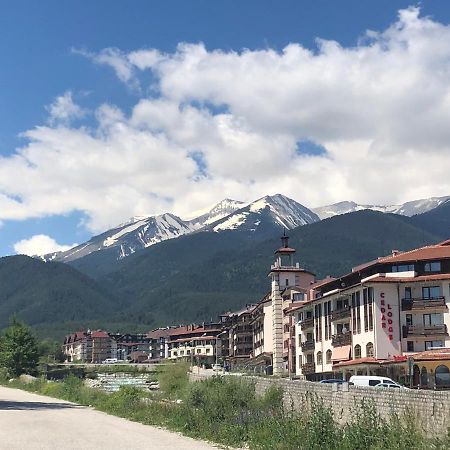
(432, 408)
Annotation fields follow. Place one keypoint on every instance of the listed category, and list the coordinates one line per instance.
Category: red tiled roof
(425, 253)
(352, 362)
(430, 355)
(424, 278)
(321, 282)
(286, 250)
(159, 333)
(99, 334)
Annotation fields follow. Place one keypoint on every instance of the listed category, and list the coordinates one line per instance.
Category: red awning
(341, 353)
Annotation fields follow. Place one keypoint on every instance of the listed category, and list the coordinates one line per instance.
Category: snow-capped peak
(406, 209)
(217, 212)
(269, 211)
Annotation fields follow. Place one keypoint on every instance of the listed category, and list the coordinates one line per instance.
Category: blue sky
(42, 46)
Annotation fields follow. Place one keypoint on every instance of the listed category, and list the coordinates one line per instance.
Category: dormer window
(298, 296)
(433, 266)
(403, 268)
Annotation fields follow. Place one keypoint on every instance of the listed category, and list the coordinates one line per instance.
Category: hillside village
(389, 316)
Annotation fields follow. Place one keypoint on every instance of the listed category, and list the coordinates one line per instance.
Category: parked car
(110, 361)
(390, 385)
(370, 380)
(217, 367)
(332, 381)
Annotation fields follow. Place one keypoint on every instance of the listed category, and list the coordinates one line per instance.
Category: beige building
(380, 313)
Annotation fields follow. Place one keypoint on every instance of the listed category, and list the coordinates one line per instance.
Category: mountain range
(263, 217)
(409, 209)
(218, 262)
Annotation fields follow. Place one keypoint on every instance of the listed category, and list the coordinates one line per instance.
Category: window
(433, 344)
(403, 268)
(433, 266)
(409, 320)
(442, 376)
(408, 293)
(430, 292)
(207, 350)
(357, 351)
(198, 350)
(433, 319)
(356, 303)
(298, 296)
(319, 358)
(287, 282)
(369, 350)
(409, 346)
(370, 306)
(374, 382)
(328, 357)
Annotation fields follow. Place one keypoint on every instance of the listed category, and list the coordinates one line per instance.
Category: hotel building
(376, 318)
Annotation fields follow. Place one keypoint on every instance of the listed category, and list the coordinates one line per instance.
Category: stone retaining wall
(431, 407)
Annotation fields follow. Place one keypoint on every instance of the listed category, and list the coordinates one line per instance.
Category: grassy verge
(228, 411)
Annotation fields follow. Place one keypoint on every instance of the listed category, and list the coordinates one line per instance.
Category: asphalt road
(34, 422)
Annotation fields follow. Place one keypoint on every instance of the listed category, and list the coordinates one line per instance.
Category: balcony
(411, 304)
(338, 340)
(308, 345)
(425, 330)
(307, 323)
(342, 313)
(308, 368)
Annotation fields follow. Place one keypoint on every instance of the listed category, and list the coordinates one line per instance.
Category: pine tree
(18, 349)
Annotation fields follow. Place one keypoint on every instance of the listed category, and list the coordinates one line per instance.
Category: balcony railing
(338, 340)
(342, 313)
(307, 323)
(425, 330)
(409, 304)
(308, 345)
(308, 368)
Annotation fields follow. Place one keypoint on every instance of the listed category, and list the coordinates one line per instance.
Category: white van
(370, 380)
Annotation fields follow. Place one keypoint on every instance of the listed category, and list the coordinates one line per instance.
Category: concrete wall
(432, 408)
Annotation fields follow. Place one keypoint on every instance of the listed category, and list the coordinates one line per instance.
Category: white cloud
(64, 109)
(381, 109)
(39, 244)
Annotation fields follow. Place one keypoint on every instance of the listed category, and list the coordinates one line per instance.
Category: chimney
(395, 252)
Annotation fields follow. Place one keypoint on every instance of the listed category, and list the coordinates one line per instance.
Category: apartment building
(237, 337)
(129, 343)
(89, 346)
(158, 347)
(373, 319)
(199, 344)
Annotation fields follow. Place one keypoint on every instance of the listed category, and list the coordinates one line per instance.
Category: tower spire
(284, 239)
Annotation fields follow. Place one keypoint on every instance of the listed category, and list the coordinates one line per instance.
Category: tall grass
(227, 410)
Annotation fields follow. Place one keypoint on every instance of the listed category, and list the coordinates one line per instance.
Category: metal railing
(308, 345)
(425, 330)
(338, 340)
(341, 313)
(409, 304)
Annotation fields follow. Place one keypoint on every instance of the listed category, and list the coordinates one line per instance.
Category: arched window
(424, 377)
(357, 351)
(328, 356)
(442, 376)
(319, 358)
(369, 350)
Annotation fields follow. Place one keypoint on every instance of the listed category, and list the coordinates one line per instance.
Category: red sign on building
(386, 317)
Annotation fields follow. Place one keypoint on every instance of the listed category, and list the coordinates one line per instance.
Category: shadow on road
(8, 405)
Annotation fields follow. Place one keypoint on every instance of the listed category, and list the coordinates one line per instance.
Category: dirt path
(31, 422)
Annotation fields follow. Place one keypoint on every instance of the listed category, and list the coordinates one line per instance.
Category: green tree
(18, 349)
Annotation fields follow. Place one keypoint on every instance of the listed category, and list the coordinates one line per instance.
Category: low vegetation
(228, 411)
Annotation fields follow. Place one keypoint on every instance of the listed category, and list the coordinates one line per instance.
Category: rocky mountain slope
(406, 209)
(264, 216)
